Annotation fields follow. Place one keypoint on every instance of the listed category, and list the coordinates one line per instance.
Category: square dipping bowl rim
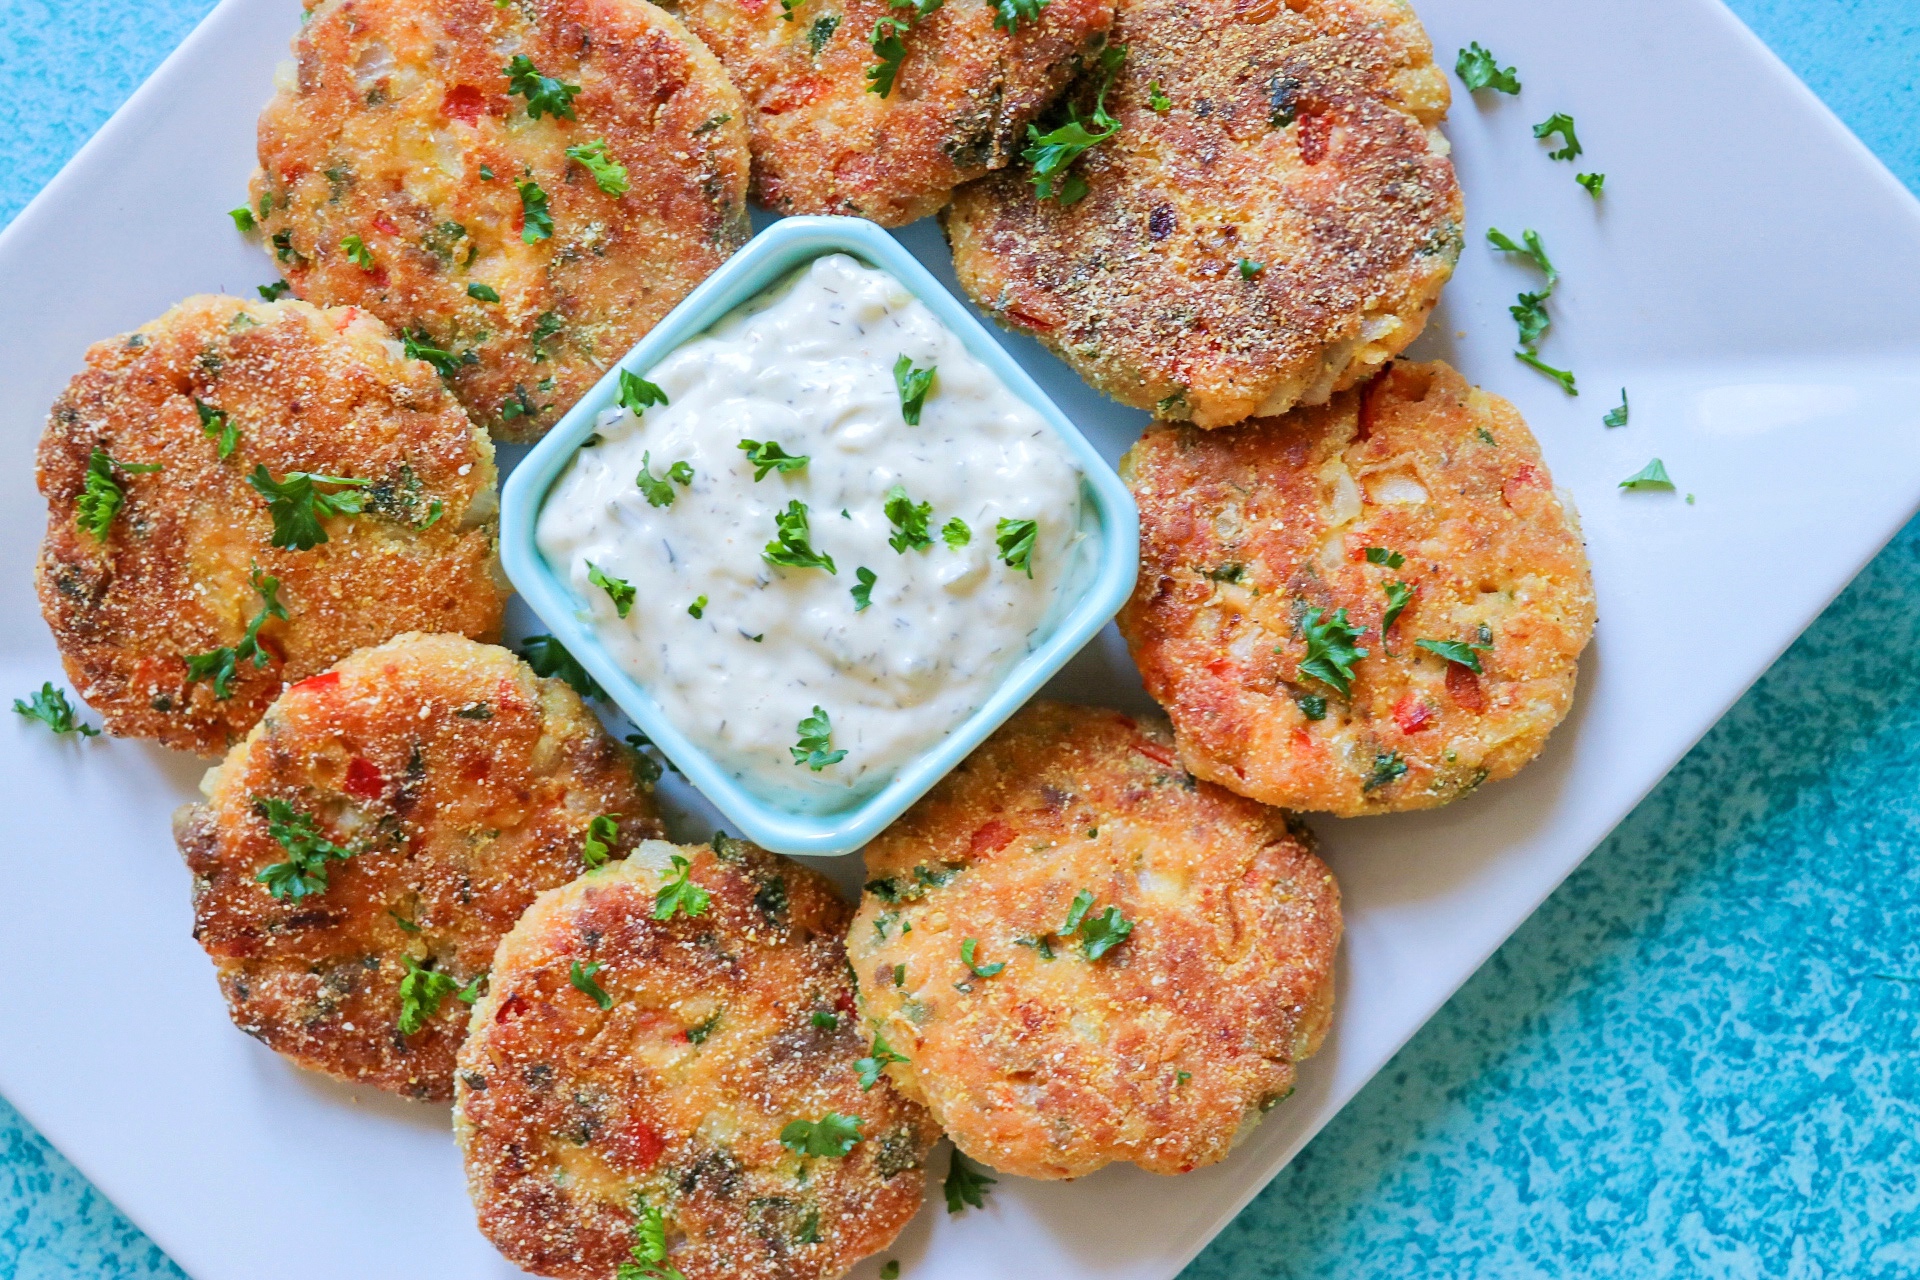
(766, 260)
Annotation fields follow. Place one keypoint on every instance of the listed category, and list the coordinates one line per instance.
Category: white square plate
(1749, 275)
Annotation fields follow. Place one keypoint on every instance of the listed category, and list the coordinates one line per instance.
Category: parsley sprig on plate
(544, 94)
(308, 852)
(424, 989)
(966, 1184)
(1530, 310)
(298, 503)
(833, 1136)
(1331, 651)
(1478, 69)
(219, 665)
(50, 707)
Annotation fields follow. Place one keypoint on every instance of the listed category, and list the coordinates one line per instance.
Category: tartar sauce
(739, 650)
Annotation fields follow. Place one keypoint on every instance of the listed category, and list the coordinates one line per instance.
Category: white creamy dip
(810, 365)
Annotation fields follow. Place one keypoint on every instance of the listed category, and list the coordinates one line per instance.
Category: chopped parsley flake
(679, 893)
(418, 346)
(909, 519)
(650, 1246)
(619, 590)
(544, 94)
(1158, 101)
(423, 990)
(968, 950)
(243, 220)
(298, 505)
(913, 385)
(1312, 705)
(548, 657)
(825, 1019)
(271, 292)
(50, 707)
(1477, 69)
(965, 1184)
(218, 428)
(1380, 555)
(539, 219)
(603, 833)
(1249, 268)
(1560, 123)
(816, 736)
(1456, 651)
(862, 590)
(101, 495)
(308, 852)
(1388, 768)
(657, 491)
(698, 609)
(767, 455)
(357, 252)
(1532, 250)
(1399, 596)
(890, 1270)
(869, 1067)
(891, 51)
(1052, 153)
(955, 533)
(790, 547)
(1618, 417)
(609, 175)
(1530, 313)
(636, 393)
(1331, 652)
(1009, 14)
(582, 980)
(1015, 539)
(220, 664)
(832, 1136)
(822, 31)
(1595, 183)
(1562, 376)
(1651, 476)
(1099, 934)
(482, 292)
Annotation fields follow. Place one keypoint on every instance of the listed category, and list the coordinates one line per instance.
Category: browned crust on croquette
(1298, 140)
(393, 110)
(824, 143)
(465, 783)
(1243, 530)
(1165, 1050)
(322, 392)
(572, 1118)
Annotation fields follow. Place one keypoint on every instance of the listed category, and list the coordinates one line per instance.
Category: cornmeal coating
(1275, 234)
(403, 169)
(459, 785)
(1245, 533)
(1076, 953)
(188, 564)
(959, 106)
(639, 1058)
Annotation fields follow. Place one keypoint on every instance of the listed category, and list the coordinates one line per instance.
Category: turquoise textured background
(1696, 1060)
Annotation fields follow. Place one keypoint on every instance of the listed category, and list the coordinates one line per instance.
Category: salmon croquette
(1370, 606)
(360, 855)
(962, 82)
(1270, 220)
(239, 495)
(1076, 953)
(522, 190)
(665, 1075)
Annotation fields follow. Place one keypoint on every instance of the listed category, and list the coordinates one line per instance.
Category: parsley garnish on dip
(842, 558)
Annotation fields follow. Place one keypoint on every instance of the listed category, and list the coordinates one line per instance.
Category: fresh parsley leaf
(1331, 652)
(821, 31)
(681, 473)
(272, 292)
(1618, 417)
(913, 385)
(482, 292)
(698, 609)
(608, 174)
(406, 925)
(1388, 768)
(1595, 183)
(869, 1067)
(1102, 933)
(790, 546)
(101, 496)
(1532, 250)
(548, 657)
(603, 833)
(1477, 70)
(909, 520)
(816, 736)
(218, 428)
(1559, 123)
(679, 893)
(1562, 376)
(1651, 476)
(786, 9)
(1009, 14)
(636, 393)
(1231, 571)
(50, 707)
(308, 852)
(1052, 154)
(1015, 539)
(825, 1019)
(891, 50)
(1157, 101)
(890, 1270)
(1530, 313)
(357, 252)
(968, 949)
(220, 664)
(955, 533)
(582, 980)
(298, 505)
(1249, 268)
(1312, 705)
(619, 590)
(539, 219)
(423, 990)
(1456, 651)
(544, 94)
(1399, 596)
(657, 491)
(965, 1184)
(243, 220)
(418, 346)
(862, 591)
(767, 455)
(832, 1136)
(1380, 555)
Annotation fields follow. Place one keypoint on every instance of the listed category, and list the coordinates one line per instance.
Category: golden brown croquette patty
(665, 1071)
(177, 615)
(359, 856)
(523, 189)
(1272, 222)
(1076, 953)
(1272, 550)
(970, 81)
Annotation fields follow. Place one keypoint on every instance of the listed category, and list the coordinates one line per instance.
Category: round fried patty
(184, 620)
(1259, 539)
(685, 1059)
(959, 104)
(1276, 232)
(359, 856)
(403, 169)
(1076, 953)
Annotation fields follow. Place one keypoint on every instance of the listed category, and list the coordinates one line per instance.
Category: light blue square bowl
(766, 260)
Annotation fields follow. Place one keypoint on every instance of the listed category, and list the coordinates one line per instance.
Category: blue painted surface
(1697, 1059)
